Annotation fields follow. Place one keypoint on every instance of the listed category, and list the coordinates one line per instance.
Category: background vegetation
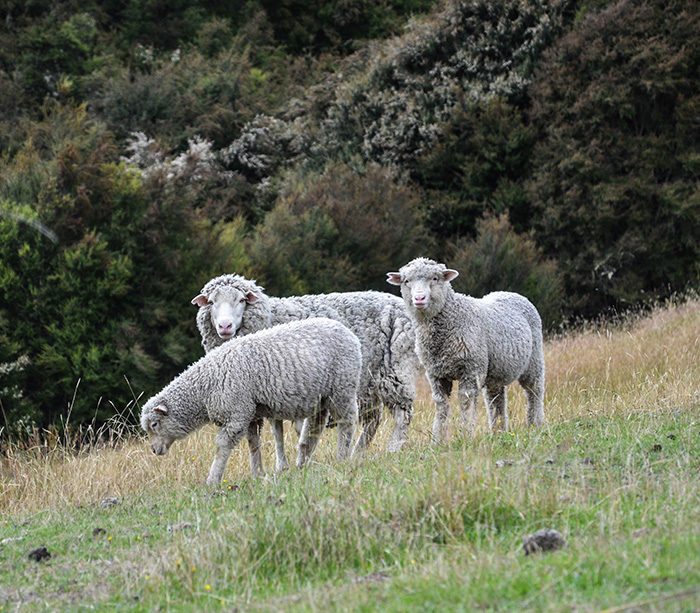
(548, 147)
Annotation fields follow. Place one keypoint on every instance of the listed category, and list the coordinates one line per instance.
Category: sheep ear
(394, 278)
(161, 410)
(450, 274)
(252, 298)
(200, 300)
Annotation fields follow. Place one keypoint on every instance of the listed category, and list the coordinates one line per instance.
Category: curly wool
(379, 321)
(285, 372)
(484, 343)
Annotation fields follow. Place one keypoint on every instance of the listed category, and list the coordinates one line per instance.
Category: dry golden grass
(648, 365)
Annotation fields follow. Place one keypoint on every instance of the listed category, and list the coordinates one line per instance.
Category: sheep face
(226, 307)
(422, 283)
(159, 425)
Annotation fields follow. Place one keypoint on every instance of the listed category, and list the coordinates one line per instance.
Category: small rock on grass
(109, 502)
(376, 577)
(183, 525)
(39, 554)
(543, 540)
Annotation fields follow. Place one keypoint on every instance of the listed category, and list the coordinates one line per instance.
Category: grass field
(615, 470)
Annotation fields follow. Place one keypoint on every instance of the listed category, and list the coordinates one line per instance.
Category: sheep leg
(346, 429)
(468, 396)
(278, 432)
(313, 427)
(228, 437)
(402, 419)
(441, 389)
(370, 419)
(256, 467)
(496, 400)
(534, 393)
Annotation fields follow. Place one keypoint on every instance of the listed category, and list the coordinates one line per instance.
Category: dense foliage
(98, 296)
(615, 171)
(544, 147)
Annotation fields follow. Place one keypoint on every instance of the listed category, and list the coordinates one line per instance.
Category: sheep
(300, 370)
(484, 343)
(231, 305)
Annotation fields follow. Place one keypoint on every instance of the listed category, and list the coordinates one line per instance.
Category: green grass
(426, 529)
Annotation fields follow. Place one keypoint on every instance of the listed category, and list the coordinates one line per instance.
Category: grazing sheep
(231, 305)
(300, 370)
(484, 343)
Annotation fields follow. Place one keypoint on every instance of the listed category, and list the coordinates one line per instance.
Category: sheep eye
(154, 425)
(242, 300)
(435, 278)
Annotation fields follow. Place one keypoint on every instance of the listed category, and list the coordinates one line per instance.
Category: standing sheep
(231, 305)
(484, 343)
(301, 370)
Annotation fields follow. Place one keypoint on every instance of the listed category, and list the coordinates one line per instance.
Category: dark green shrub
(500, 259)
(214, 36)
(109, 299)
(615, 187)
(53, 50)
(338, 231)
(476, 167)
(177, 97)
(303, 26)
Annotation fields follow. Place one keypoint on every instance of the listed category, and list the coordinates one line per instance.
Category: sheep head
(424, 284)
(226, 304)
(157, 422)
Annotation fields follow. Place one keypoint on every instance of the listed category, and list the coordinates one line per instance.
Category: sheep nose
(226, 327)
(420, 298)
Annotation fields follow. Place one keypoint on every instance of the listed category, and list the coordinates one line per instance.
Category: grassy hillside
(614, 469)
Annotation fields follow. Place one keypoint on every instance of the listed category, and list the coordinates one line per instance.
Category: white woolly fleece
(380, 322)
(293, 371)
(484, 343)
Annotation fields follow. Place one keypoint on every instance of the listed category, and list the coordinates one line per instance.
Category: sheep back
(378, 319)
(281, 373)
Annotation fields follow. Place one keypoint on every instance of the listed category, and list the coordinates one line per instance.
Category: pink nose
(420, 298)
(226, 327)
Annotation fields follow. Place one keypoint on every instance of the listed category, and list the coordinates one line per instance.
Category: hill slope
(614, 469)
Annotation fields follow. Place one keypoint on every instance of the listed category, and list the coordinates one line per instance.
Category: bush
(176, 96)
(105, 294)
(500, 259)
(615, 191)
(465, 53)
(338, 231)
(477, 167)
(53, 50)
(303, 26)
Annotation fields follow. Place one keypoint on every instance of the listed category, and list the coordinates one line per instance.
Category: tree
(615, 187)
